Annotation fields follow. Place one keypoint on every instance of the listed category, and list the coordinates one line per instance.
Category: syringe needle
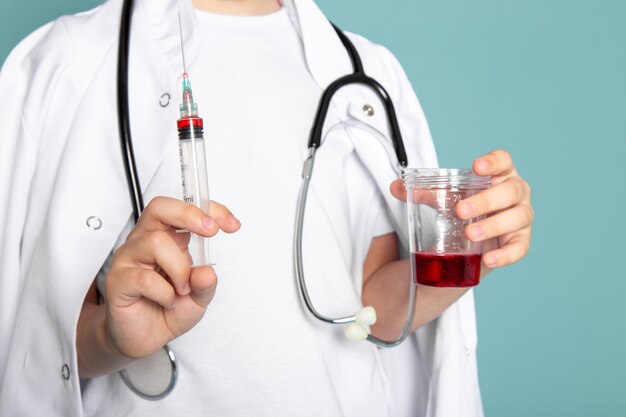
(182, 46)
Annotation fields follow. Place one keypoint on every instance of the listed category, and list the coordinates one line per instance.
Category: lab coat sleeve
(453, 336)
(443, 352)
(18, 150)
(41, 93)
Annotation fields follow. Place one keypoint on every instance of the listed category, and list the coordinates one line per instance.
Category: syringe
(193, 168)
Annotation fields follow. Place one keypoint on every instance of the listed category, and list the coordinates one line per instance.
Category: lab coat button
(468, 352)
(368, 110)
(94, 223)
(65, 372)
(164, 101)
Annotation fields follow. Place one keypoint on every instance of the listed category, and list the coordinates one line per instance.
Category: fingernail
(475, 231)
(482, 164)
(208, 223)
(233, 220)
(491, 260)
(186, 289)
(467, 208)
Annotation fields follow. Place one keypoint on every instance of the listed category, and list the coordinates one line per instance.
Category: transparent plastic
(441, 254)
(193, 169)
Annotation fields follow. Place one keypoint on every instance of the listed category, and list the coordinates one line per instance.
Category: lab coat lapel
(155, 68)
(93, 146)
(89, 203)
(325, 55)
(160, 18)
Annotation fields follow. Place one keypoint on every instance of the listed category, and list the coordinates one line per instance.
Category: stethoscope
(357, 323)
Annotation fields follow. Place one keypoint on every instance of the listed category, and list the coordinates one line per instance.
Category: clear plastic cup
(441, 255)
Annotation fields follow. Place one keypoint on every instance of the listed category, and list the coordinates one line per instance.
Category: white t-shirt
(256, 352)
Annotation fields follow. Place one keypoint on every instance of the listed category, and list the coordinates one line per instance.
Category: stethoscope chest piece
(152, 377)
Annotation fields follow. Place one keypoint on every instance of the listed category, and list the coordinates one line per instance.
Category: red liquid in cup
(447, 270)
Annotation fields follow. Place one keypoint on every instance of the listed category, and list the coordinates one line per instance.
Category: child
(258, 68)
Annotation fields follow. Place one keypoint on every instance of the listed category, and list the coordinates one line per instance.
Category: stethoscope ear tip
(366, 316)
(362, 318)
(355, 331)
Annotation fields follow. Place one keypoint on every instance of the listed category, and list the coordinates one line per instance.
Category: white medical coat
(60, 164)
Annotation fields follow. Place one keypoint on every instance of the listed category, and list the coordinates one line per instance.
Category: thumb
(203, 282)
(397, 190)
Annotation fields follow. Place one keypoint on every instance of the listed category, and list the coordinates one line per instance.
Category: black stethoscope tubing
(123, 112)
(358, 76)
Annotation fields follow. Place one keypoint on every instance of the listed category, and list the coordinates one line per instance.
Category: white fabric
(60, 163)
(247, 71)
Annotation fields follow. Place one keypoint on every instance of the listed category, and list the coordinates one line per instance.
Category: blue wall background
(545, 79)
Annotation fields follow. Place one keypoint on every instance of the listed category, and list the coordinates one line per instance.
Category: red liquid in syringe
(447, 269)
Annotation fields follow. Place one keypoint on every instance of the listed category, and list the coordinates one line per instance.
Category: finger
(164, 212)
(129, 284)
(158, 248)
(428, 197)
(508, 221)
(495, 163)
(506, 194)
(224, 218)
(181, 238)
(203, 284)
(515, 249)
(398, 190)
